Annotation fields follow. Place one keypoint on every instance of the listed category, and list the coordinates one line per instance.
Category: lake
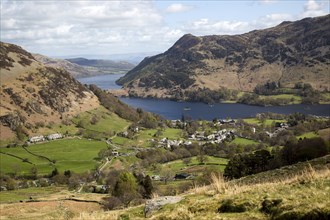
(102, 81)
(174, 110)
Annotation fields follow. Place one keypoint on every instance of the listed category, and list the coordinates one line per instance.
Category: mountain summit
(289, 53)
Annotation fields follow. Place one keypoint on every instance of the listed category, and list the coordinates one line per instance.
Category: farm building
(54, 136)
(35, 139)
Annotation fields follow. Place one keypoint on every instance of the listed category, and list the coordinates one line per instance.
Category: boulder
(154, 205)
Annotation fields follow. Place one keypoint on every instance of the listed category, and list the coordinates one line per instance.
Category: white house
(115, 153)
(54, 136)
(35, 139)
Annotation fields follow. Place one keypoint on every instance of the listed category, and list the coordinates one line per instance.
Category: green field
(121, 141)
(216, 163)
(243, 141)
(308, 135)
(77, 155)
(294, 99)
(252, 121)
(325, 98)
(25, 194)
(172, 133)
(256, 121)
(105, 121)
(58, 128)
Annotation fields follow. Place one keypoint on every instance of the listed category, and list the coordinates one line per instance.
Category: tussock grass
(218, 183)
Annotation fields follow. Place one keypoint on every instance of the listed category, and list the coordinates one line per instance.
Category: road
(105, 164)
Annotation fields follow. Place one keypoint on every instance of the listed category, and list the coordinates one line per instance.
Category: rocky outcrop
(12, 120)
(154, 205)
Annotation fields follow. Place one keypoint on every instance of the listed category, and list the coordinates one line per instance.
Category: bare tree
(166, 173)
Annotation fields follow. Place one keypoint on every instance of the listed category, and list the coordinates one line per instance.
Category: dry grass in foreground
(299, 196)
(295, 192)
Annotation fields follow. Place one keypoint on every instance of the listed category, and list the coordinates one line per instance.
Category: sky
(104, 27)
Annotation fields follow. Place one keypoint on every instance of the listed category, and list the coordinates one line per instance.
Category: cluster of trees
(230, 149)
(303, 149)
(305, 90)
(308, 94)
(210, 96)
(127, 187)
(254, 99)
(14, 181)
(247, 164)
(154, 156)
(269, 88)
(294, 151)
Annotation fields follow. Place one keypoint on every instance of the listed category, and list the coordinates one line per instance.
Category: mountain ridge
(289, 53)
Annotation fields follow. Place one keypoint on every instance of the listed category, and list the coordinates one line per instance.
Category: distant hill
(134, 58)
(74, 69)
(81, 67)
(105, 66)
(34, 94)
(289, 53)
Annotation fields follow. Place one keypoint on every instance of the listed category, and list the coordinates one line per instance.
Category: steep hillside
(289, 53)
(33, 94)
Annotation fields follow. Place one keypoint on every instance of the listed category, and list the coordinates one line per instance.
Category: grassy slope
(24, 194)
(106, 121)
(243, 141)
(77, 155)
(324, 133)
(258, 122)
(142, 139)
(216, 163)
(308, 135)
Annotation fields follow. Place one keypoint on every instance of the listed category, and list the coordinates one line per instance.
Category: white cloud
(71, 24)
(312, 5)
(268, 1)
(176, 8)
(206, 27)
(272, 20)
(313, 8)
